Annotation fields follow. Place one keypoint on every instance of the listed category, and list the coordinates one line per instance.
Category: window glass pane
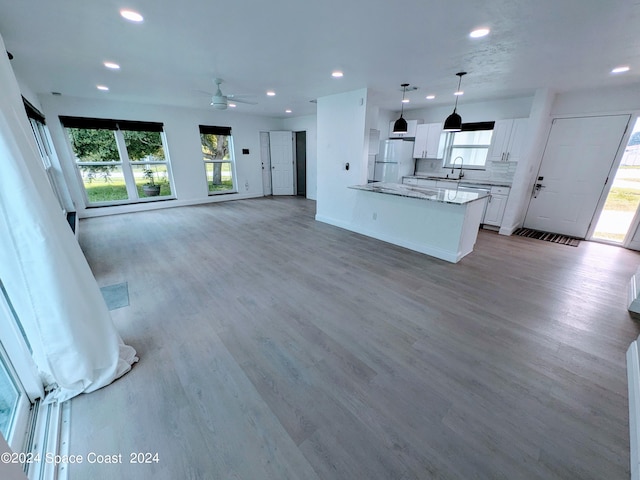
(152, 180)
(472, 146)
(94, 145)
(219, 176)
(470, 156)
(97, 158)
(215, 147)
(143, 145)
(9, 396)
(478, 137)
(103, 183)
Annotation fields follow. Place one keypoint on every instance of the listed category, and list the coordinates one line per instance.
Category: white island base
(442, 223)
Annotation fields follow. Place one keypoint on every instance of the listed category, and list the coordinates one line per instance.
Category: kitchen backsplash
(494, 171)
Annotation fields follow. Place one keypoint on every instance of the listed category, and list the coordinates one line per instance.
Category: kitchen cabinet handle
(507, 157)
(502, 157)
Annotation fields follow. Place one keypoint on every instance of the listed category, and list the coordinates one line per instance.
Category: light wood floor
(276, 347)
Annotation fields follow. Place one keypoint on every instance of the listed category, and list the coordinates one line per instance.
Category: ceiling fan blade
(239, 100)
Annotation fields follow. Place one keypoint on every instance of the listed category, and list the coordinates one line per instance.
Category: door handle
(536, 189)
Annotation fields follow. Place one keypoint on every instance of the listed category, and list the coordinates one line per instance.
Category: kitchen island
(441, 222)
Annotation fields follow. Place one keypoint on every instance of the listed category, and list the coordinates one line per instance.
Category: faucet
(453, 164)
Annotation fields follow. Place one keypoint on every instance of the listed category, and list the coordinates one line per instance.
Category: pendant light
(401, 124)
(453, 123)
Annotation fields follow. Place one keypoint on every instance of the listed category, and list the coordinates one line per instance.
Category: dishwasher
(475, 187)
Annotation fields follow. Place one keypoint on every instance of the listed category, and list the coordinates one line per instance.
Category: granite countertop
(467, 181)
(442, 195)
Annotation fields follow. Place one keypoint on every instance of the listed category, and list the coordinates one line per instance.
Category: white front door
(575, 165)
(281, 149)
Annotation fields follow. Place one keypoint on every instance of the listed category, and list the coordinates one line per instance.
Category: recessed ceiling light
(405, 100)
(288, 110)
(430, 97)
(131, 15)
(271, 93)
(111, 65)
(459, 92)
(337, 74)
(104, 88)
(621, 69)
(479, 32)
(232, 105)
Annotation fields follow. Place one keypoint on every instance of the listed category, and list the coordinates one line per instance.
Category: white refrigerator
(394, 161)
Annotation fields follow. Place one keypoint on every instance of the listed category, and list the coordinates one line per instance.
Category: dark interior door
(301, 163)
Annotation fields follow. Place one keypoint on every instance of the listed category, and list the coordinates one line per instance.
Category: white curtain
(75, 344)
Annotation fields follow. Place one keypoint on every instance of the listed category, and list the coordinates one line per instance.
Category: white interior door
(281, 150)
(575, 165)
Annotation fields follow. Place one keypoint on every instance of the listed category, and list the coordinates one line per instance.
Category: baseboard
(171, 203)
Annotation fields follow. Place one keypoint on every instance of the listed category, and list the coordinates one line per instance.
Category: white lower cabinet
(495, 206)
(422, 182)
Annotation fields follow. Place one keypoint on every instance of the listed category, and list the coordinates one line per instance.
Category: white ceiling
(293, 46)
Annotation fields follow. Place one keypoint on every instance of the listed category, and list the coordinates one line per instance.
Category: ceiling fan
(221, 102)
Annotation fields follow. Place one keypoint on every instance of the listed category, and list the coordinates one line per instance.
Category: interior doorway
(301, 163)
(265, 158)
(621, 207)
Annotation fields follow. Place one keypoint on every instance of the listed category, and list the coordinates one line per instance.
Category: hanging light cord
(404, 89)
(459, 83)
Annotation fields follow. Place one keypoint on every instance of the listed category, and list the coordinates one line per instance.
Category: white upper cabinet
(508, 140)
(427, 142)
(412, 125)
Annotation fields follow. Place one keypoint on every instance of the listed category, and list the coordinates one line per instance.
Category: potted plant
(150, 189)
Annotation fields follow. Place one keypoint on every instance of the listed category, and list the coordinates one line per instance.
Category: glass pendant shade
(400, 126)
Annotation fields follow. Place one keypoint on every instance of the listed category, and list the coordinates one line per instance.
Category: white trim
(19, 355)
(633, 378)
(51, 437)
(157, 205)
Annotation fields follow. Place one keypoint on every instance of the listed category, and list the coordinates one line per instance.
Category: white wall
(600, 101)
(183, 144)
(520, 194)
(485, 111)
(307, 124)
(342, 138)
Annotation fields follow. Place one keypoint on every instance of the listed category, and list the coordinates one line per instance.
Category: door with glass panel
(15, 405)
(20, 385)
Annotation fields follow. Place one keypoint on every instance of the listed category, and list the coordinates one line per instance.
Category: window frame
(449, 146)
(231, 161)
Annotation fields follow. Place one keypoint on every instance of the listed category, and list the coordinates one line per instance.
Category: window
(469, 147)
(43, 142)
(218, 157)
(119, 161)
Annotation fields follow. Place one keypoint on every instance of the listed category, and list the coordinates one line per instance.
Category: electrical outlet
(374, 216)
(246, 185)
